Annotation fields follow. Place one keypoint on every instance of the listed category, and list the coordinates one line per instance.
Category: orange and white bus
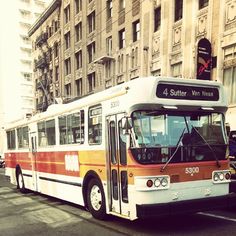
(148, 147)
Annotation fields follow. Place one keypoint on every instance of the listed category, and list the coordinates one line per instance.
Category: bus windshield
(181, 136)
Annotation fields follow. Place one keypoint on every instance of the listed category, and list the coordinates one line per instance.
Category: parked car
(2, 162)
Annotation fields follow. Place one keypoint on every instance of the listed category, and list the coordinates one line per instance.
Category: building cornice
(49, 10)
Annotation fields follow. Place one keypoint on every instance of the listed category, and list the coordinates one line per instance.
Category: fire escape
(41, 65)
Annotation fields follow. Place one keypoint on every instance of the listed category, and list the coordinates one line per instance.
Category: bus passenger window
(95, 125)
(42, 139)
(50, 132)
(46, 133)
(62, 129)
(23, 137)
(11, 139)
(71, 128)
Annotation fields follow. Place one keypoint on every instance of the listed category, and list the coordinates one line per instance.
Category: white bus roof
(144, 91)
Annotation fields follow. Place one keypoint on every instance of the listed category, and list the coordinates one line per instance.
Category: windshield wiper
(178, 145)
(217, 161)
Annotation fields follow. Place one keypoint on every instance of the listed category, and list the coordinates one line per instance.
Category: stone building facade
(102, 43)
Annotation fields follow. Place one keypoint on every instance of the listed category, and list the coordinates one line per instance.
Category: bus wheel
(20, 181)
(96, 199)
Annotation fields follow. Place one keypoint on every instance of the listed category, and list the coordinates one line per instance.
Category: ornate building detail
(78, 74)
(108, 83)
(78, 18)
(156, 47)
(109, 25)
(91, 68)
(91, 7)
(135, 7)
(121, 17)
(175, 58)
(134, 73)
(202, 25)
(177, 32)
(230, 18)
(68, 79)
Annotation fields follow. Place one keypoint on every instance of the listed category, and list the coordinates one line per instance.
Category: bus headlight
(164, 182)
(216, 177)
(221, 176)
(157, 183)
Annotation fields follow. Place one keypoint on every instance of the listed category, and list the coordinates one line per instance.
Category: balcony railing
(41, 84)
(42, 38)
(40, 63)
(42, 106)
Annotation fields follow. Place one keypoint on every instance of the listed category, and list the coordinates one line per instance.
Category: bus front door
(33, 156)
(117, 165)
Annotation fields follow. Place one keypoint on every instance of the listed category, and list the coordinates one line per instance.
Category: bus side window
(71, 128)
(46, 133)
(11, 139)
(23, 137)
(95, 125)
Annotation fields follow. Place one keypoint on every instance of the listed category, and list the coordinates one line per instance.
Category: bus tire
(20, 181)
(96, 199)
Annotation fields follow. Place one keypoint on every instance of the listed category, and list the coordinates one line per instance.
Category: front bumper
(187, 206)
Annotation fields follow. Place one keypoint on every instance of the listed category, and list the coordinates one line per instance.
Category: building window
(27, 76)
(178, 9)
(176, 70)
(67, 14)
(108, 69)
(91, 82)
(56, 49)
(79, 88)
(78, 59)
(91, 52)
(120, 63)
(56, 25)
(78, 32)
(122, 5)
(67, 66)
(25, 39)
(67, 40)
(203, 3)
(134, 57)
(136, 31)
(78, 6)
(109, 9)
(229, 75)
(122, 38)
(109, 46)
(157, 19)
(91, 22)
(56, 73)
(68, 90)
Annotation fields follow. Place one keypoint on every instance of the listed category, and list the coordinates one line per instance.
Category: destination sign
(173, 91)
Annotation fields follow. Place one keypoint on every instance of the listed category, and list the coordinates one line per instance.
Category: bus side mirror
(126, 124)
